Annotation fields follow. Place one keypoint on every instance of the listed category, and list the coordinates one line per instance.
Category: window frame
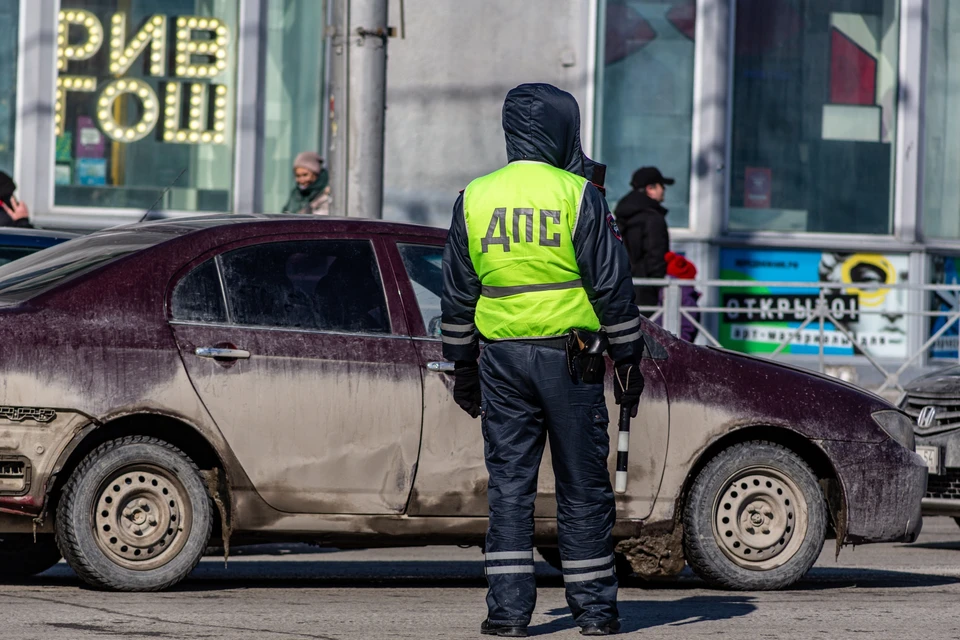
(403, 286)
(34, 162)
(704, 120)
(396, 317)
(414, 313)
(932, 244)
(907, 185)
(906, 132)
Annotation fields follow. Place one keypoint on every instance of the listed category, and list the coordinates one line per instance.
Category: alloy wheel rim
(142, 517)
(760, 518)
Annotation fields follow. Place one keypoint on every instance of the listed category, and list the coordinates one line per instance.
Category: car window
(328, 285)
(42, 271)
(198, 297)
(424, 265)
(654, 350)
(9, 254)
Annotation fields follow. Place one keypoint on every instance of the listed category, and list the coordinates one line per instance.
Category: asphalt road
(294, 591)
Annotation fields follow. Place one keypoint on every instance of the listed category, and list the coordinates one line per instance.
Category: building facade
(811, 140)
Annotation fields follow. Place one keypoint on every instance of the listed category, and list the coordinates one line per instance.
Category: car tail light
(898, 426)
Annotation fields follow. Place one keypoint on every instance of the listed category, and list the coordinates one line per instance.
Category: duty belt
(554, 343)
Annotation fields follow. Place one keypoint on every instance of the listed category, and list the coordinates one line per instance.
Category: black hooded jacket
(642, 221)
(542, 124)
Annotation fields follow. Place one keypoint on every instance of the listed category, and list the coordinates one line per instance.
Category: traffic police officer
(532, 253)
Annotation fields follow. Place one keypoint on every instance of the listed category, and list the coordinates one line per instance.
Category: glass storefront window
(944, 270)
(9, 20)
(145, 100)
(293, 95)
(941, 189)
(814, 115)
(645, 97)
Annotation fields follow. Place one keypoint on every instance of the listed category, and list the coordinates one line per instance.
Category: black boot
(487, 628)
(608, 628)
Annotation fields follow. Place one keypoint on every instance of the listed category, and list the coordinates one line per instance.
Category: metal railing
(821, 311)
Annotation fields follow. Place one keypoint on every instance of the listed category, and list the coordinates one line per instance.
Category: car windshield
(34, 274)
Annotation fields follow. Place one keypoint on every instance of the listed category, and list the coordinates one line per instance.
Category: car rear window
(34, 274)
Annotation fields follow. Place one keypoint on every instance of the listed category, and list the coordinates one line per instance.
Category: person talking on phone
(13, 212)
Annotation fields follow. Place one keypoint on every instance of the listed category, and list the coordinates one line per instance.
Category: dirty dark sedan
(232, 379)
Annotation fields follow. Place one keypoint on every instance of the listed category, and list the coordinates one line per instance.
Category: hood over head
(542, 123)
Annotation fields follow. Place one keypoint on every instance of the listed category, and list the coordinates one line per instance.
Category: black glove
(466, 387)
(628, 385)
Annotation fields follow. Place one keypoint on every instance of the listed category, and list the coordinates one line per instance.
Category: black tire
(134, 516)
(21, 557)
(551, 555)
(768, 541)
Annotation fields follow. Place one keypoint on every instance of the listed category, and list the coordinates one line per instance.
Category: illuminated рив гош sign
(206, 114)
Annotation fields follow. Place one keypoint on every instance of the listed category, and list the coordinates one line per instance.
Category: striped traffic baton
(623, 449)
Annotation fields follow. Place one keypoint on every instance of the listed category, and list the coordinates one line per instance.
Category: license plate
(930, 455)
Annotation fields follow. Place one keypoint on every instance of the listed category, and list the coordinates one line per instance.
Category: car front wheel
(134, 516)
(755, 518)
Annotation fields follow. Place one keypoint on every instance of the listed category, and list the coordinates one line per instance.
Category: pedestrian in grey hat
(312, 193)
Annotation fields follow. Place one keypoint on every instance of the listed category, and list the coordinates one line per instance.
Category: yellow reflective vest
(520, 223)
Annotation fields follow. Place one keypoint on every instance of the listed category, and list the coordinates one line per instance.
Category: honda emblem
(927, 417)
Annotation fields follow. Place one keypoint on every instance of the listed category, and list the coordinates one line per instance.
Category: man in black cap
(13, 212)
(643, 225)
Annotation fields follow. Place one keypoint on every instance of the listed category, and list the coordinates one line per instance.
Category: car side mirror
(433, 329)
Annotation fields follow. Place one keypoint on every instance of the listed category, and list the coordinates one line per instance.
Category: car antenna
(165, 191)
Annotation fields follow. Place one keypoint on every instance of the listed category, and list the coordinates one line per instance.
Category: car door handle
(218, 352)
(440, 367)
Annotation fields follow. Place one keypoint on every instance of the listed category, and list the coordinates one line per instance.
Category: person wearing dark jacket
(532, 254)
(13, 212)
(642, 221)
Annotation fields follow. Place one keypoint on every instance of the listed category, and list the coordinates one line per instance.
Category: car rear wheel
(22, 557)
(134, 516)
(755, 518)
(551, 555)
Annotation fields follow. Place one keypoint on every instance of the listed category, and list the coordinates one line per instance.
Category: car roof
(167, 241)
(295, 222)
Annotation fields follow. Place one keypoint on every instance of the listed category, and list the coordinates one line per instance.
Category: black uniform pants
(529, 396)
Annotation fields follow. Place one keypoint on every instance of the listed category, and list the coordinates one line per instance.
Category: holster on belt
(585, 355)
